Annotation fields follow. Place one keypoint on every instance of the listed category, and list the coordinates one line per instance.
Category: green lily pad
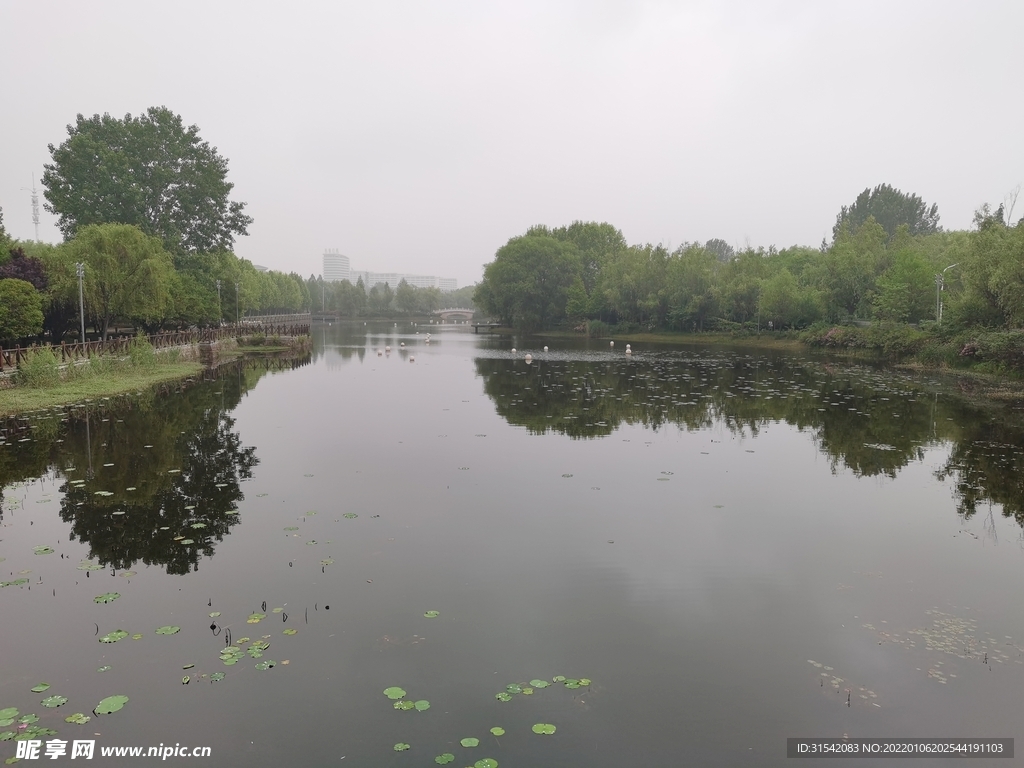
(185, 680)
(216, 677)
(42, 550)
(15, 583)
(291, 631)
(214, 614)
(503, 696)
(432, 614)
(394, 692)
(28, 719)
(422, 705)
(39, 688)
(470, 742)
(539, 683)
(255, 618)
(487, 762)
(50, 702)
(78, 718)
(137, 636)
(10, 712)
(404, 705)
(498, 731)
(351, 516)
(110, 704)
(584, 681)
(113, 637)
(107, 597)
(514, 688)
(168, 630)
(444, 759)
(527, 691)
(264, 665)
(104, 668)
(558, 678)
(7, 722)
(87, 566)
(546, 728)
(7, 736)
(292, 528)
(401, 747)
(278, 610)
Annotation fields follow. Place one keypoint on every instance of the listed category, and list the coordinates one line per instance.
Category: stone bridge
(455, 314)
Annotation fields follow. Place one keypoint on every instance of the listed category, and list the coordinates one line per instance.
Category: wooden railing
(120, 345)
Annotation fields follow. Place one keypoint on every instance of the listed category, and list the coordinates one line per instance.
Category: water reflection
(872, 422)
(149, 479)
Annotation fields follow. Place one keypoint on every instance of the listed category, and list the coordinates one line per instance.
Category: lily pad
(78, 718)
(432, 614)
(168, 630)
(291, 631)
(292, 528)
(498, 731)
(104, 668)
(539, 683)
(42, 550)
(216, 677)
(559, 678)
(15, 583)
(503, 696)
(546, 728)
(50, 702)
(350, 515)
(28, 719)
(527, 691)
(264, 665)
(404, 705)
(113, 637)
(470, 742)
(422, 705)
(87, 566)
(444, 759)
(255, 618)
(107, 597)
(394, 692)
(487, 762)
(514, 688)
(8, 714)
(584, 681)
(401, 747)
(137, 636)
(110, 704)
(214, 614)
(40, 688)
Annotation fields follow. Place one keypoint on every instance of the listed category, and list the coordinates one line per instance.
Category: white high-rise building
(336, 266)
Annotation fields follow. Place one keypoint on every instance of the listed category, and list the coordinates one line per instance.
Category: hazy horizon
(418, 138)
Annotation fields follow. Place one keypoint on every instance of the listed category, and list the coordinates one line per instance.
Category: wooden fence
(120, 345)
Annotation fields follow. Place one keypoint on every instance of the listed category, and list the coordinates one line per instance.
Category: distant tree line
(382, 300)
(882, 264)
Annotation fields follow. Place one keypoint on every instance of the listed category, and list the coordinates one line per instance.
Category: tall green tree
(150, 171)
(21, 310)
(890, 208)
(127, 273)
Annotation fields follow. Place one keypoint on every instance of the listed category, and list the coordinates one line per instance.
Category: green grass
(108, 383)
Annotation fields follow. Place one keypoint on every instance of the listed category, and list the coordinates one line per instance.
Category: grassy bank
(23, 398)
(42, 382)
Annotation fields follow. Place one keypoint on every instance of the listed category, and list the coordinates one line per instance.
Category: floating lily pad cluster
(15, 583)
(398, 695)
(107, 597)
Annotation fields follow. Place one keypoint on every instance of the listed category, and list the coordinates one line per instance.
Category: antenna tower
(35, 205)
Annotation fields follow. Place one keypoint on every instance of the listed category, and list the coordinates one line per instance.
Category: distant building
(337, 267)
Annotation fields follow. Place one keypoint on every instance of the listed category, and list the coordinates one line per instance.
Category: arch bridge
(455, 314)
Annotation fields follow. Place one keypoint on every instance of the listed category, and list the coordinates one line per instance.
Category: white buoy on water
(528, 358)
(402, 345)
(545, 349)
(513, 350)
(611, 344)
(412, 358)
(387, 348)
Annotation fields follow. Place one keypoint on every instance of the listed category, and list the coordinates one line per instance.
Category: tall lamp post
(236, 303)
(220, 307)
(80, 271)
(940, 285)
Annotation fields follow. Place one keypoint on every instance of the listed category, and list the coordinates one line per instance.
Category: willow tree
(127, 274)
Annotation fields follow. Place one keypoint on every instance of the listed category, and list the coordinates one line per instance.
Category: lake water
(731, 547)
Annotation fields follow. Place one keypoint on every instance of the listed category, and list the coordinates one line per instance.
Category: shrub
(597, 328)
(141, 352)
(39, 369)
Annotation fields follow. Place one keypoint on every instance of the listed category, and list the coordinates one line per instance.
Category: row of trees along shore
(145, 205)
(881, 266)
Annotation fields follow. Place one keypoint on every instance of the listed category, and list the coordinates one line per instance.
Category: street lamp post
(80, 271)
(220, 307)
(236, 303)
(940, 285)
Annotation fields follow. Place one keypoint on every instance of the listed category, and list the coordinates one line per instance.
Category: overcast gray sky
(420, 136)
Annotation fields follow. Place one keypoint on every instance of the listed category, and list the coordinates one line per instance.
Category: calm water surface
(733, 547)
